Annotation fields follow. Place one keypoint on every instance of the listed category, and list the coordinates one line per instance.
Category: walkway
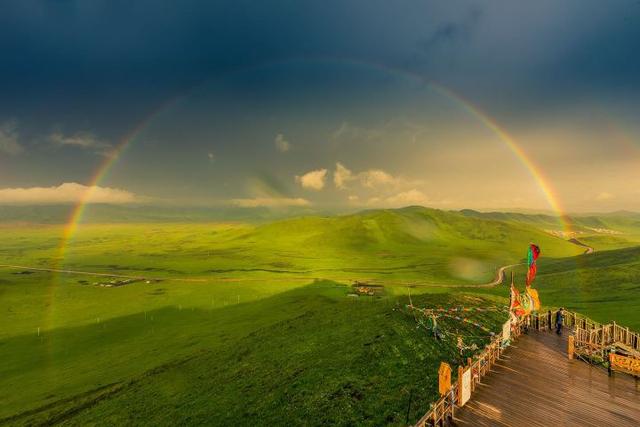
(534, 384)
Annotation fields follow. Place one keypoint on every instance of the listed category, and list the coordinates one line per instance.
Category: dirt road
(588, 249)
(92, 273)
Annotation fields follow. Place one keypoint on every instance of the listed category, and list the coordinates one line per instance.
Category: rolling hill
(601, 231)
(412, 244)
(249, 322)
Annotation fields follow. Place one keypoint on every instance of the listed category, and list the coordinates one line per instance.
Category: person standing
(559, 320)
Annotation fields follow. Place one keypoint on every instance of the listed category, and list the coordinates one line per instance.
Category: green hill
(407, 245)
(142, 213)
(601, 231)
(254, 322)
(604, 285)
(311, 356)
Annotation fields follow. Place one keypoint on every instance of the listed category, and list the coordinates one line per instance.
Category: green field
(245, 322)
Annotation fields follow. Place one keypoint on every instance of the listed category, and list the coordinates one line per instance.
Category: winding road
(588, 249)
(500, 276)
(499, 279)
(95, 274)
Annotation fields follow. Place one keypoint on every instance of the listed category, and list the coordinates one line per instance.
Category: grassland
(414, 244)
(252, 322)
(604, 285)
(309, 353)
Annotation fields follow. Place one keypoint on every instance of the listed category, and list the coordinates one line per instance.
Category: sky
(322, 105)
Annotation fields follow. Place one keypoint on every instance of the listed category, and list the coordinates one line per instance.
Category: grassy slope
(603, 232)
(140, 213)
(345, 364)
(413, 244)
(307, 354)
(604, 286)
(289, 351)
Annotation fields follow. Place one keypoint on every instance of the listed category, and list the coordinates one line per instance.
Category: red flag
(532, 256)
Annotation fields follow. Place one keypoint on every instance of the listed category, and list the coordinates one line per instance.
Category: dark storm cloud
(100, 67)
(130, 55)
(451, 31)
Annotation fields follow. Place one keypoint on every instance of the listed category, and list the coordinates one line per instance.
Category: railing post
(460, 372)
(453, 404)
(571, 347)
(470, 363)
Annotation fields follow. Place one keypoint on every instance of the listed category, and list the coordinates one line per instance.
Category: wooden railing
(571, 319)
(591, 337)
(625, 336)
(443, 408)
(588, 335)
(595, 339)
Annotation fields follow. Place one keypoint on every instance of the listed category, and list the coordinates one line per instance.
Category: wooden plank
(590, 339)
(538, 386)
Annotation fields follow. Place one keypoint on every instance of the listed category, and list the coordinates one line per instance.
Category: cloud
(375, 178)
(347, 132)
(604, 196)
(341, 176)
(383, 188)
(450, 32)
(69, 192)
(313, 180)
(406, 198)
(282, 144)
(371, 178)
(269, 202)
(79, 139)
(9, 138)
(393, 130)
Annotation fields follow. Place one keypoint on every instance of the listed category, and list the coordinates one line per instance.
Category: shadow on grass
(309, 355)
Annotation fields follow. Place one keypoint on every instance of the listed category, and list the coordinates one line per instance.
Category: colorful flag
(535, 299)
(516, 303)
(532, 256)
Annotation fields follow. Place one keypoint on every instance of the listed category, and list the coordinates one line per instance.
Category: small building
(364, 288)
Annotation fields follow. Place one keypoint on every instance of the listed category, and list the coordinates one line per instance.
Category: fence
(571, 319)
(443, 409)
(595, 339)
(589, 336)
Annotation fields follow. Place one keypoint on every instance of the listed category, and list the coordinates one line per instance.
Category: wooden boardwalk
(534, 384)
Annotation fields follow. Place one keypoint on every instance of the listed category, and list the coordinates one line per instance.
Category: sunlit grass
(254, 322)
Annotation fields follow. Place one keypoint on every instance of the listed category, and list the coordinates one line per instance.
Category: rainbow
(490, 123)
(78, 210)
(534, 170)
(102, 171)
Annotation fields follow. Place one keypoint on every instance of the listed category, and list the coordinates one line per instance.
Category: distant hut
(364, 288)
